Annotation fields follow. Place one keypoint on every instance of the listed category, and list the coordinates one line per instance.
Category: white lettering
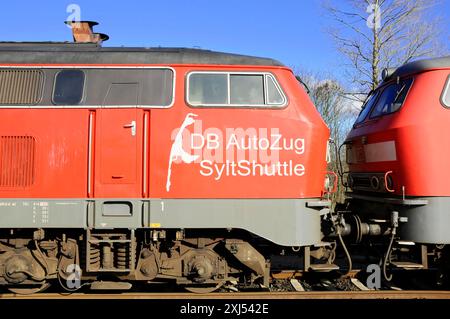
(276, 142)
(212, 141)
(237, 152)
(206, 165)
(197, 137)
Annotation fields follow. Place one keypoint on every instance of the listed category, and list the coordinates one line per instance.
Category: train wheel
(203, 289)
(27, 290)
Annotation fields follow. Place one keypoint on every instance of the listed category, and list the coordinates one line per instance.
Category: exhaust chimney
(82, 32)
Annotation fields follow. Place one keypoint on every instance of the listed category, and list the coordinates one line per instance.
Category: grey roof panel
(421, 66)
(68, 52)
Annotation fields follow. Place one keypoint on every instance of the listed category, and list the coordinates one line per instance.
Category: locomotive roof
(89, 53)
(422, 65)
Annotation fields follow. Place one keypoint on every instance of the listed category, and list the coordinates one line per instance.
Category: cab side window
(207, 88)
(247, 89)
(239, 90)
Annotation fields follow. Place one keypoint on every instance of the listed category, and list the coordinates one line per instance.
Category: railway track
(392, 294)
(286, 285)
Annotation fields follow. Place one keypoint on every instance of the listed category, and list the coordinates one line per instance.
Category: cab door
(117, 155)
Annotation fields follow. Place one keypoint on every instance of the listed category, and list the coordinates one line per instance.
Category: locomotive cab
(397, 155)
(398, 152)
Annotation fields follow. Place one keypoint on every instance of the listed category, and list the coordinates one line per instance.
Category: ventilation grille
(17, 155)
(20, 86)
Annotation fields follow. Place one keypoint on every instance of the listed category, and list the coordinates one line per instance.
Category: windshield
(385, 100)
(367, 106)
(392, 98)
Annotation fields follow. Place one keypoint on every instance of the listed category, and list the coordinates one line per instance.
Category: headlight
(374, 182)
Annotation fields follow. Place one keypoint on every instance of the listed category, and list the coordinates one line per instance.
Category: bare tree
(337, 110)
(337, 107)
(377, 34)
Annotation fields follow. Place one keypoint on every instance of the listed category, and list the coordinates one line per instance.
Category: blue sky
(292, 31)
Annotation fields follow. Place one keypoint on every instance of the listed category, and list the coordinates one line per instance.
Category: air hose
(387, 257)
(349, 258)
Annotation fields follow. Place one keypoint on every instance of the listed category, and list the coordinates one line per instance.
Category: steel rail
(372, 294)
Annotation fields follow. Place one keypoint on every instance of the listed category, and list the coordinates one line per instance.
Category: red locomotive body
(409, 141)
(397, 151)
(91, 151)
(153, 163)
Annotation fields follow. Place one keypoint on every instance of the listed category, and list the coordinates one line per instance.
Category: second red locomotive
(397, 154)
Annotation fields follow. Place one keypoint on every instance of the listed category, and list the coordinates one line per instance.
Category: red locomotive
(152, 164)
(397, 155)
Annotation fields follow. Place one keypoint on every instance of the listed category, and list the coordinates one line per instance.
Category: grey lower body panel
(287, 222)
(428, 217)
(43, 213)
(429, 224)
